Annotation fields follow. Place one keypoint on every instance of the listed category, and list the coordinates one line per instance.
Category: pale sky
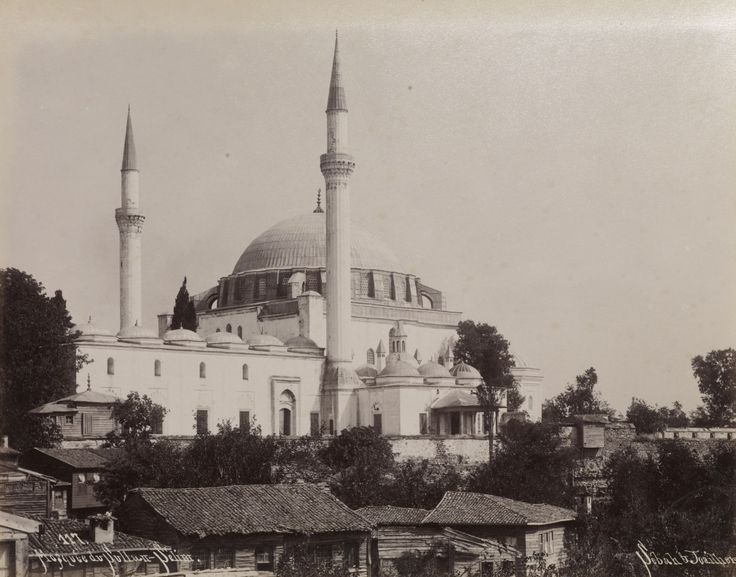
(563, 170)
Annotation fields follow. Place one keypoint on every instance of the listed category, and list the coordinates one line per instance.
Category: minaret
(338, 406)
(337, 166)
(130, 224)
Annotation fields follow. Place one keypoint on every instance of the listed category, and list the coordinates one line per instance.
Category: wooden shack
(249, 527)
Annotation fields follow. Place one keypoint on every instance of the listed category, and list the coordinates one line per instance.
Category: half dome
(300, 242)
(301, 341)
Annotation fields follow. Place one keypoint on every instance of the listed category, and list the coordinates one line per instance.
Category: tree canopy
(531, 464)
(578, 399)
(184, 317)
(38, 358)
(652, 419)
(138, 418)
(716, 376)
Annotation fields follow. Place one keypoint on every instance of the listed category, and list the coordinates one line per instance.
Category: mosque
(317, 328)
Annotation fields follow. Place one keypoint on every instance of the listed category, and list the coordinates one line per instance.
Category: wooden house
(93, 548)
(84, 418)
(398, 531)
(248, 527)
(77, 470)
(27, 493)
(530, 528)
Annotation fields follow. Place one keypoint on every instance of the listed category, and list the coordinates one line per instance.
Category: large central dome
(300, 242)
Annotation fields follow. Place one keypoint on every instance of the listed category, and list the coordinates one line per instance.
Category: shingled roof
(91, 458)
(49, 541)
(458, 508)
(390, 515)
(250, 509)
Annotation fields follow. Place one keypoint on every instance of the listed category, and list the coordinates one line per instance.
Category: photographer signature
(686, 557)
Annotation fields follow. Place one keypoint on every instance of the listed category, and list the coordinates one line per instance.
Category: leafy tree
(577, 399)
(38, 357)
(141, 463)
(184, 314)
(298, 460)
(531, 464)
(483, 347)
(716, 376)
(361, 459)
(232, 456)
(138, 417)
(39, 432)
(673, 498)
(421, 483)
(650, 419)
(644, 417)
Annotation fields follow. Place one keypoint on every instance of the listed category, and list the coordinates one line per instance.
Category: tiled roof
(81, 458)
(89, 396)
(250, 509)
(390, 515)
(457, 508)
(49, 541)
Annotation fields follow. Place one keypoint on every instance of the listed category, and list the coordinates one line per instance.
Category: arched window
(229, 328)
(202, 371)
(240, 332)
(287, 404)
(407, 296)
(110, 366)
(245, 372)
(370, 357)
(403, 346)
(371, 285)
(156, 368)
(392, 294)
(531, 403)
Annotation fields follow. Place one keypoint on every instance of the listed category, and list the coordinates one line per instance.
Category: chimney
(102, 528)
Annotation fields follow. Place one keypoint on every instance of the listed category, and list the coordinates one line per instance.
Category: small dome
(433, 370)
(89, 333)
(182, 336)
(224, 339)
(398, 368)
(367, 372)
(301, 342)
(261, 340)
(464, 371)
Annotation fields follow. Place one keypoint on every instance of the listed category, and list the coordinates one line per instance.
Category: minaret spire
(129, 159)
(336, 99)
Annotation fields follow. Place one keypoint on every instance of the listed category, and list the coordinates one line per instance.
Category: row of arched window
(229, 329)
(157, 369)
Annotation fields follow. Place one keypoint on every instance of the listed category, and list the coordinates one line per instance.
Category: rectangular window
(454, 423)
(314, 424)
(244, 420)
(70, 419)
(352, 555)
(423, 429)
(486, 569)
(157, 425)
(224, 558)
(86, 424)
(507, 568)
(323, 555)
(201, 559)
(264, 558)
(378, 423)
(202, 424)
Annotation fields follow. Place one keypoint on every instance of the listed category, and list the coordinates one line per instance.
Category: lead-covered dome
(300, 242)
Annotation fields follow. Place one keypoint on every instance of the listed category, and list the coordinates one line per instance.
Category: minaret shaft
(130, 224)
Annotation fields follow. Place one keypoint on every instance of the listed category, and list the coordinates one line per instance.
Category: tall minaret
(337, 166)
(130, 224)
(338, 406)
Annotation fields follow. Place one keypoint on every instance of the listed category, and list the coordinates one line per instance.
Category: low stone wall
(462, 449)
(698, 433)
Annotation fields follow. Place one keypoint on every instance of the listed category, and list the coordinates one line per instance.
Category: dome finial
(319, 202)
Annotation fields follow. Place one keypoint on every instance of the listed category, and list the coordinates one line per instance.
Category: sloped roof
(251, 509)
(52, 408)
(458, 508)
(81, 458)
(49, 542)
(89, 396)
(455, 399)
(390, 515)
